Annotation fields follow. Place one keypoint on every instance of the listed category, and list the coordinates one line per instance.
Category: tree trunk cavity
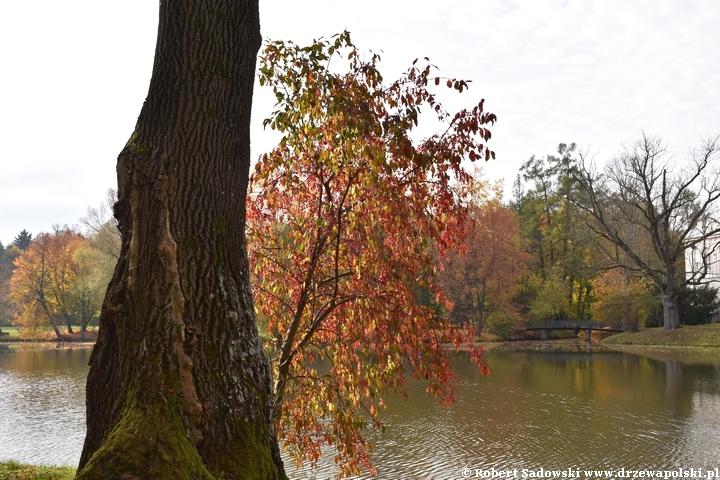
(179, 386)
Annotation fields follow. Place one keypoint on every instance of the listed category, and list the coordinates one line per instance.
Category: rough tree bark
(179, 386)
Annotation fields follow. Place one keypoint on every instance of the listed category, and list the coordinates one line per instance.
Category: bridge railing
(569, 324)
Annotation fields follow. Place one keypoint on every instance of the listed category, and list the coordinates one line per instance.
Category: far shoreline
(47, 341)
(648, 342)
(13, 335)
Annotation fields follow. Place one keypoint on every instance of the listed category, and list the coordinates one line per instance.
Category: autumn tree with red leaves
(481, 275)
(347, 211)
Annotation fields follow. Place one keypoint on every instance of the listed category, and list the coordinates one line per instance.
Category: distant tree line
(574, 242)
(579, 243)
(610, 244)
(58, 279)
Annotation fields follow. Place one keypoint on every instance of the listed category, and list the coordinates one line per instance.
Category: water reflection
(550, 410)
(558, 411)
(42, 405)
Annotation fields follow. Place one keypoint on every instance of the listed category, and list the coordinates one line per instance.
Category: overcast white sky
(74, 74)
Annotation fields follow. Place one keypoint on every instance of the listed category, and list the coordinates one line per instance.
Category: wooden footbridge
(576, 325)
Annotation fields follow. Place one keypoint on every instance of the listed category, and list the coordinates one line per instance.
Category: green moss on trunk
(251, 458)
(150, 439)
(148, 442)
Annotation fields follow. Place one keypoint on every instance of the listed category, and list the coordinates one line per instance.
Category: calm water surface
(549, 410)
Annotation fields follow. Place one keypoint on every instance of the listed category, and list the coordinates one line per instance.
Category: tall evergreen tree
(22, 241)
(561, 249)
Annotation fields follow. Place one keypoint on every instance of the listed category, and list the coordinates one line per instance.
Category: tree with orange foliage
(481, 277)
(623, 298)
(7, 307)
(42, 285)
(341, 234)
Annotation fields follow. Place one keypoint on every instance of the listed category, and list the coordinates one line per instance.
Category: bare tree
(101, 228)
(644, 193)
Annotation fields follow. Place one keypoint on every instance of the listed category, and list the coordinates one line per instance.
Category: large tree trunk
(179, 386)
(671, 314)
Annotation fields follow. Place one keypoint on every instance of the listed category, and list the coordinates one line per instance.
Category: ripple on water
(42, 412)
(602, 412)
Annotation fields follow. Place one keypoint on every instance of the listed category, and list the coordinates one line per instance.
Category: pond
(555, 411)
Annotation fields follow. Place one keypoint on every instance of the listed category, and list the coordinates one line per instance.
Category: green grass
(11, 470)
(685, 336)
(42, 334)
(13, 331)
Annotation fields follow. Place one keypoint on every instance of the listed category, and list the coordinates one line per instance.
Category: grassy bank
(11, 470)
(46, 334)
(10, 332)
(686, 336)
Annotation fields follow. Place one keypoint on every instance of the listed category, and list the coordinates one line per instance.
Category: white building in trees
(704, 257)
